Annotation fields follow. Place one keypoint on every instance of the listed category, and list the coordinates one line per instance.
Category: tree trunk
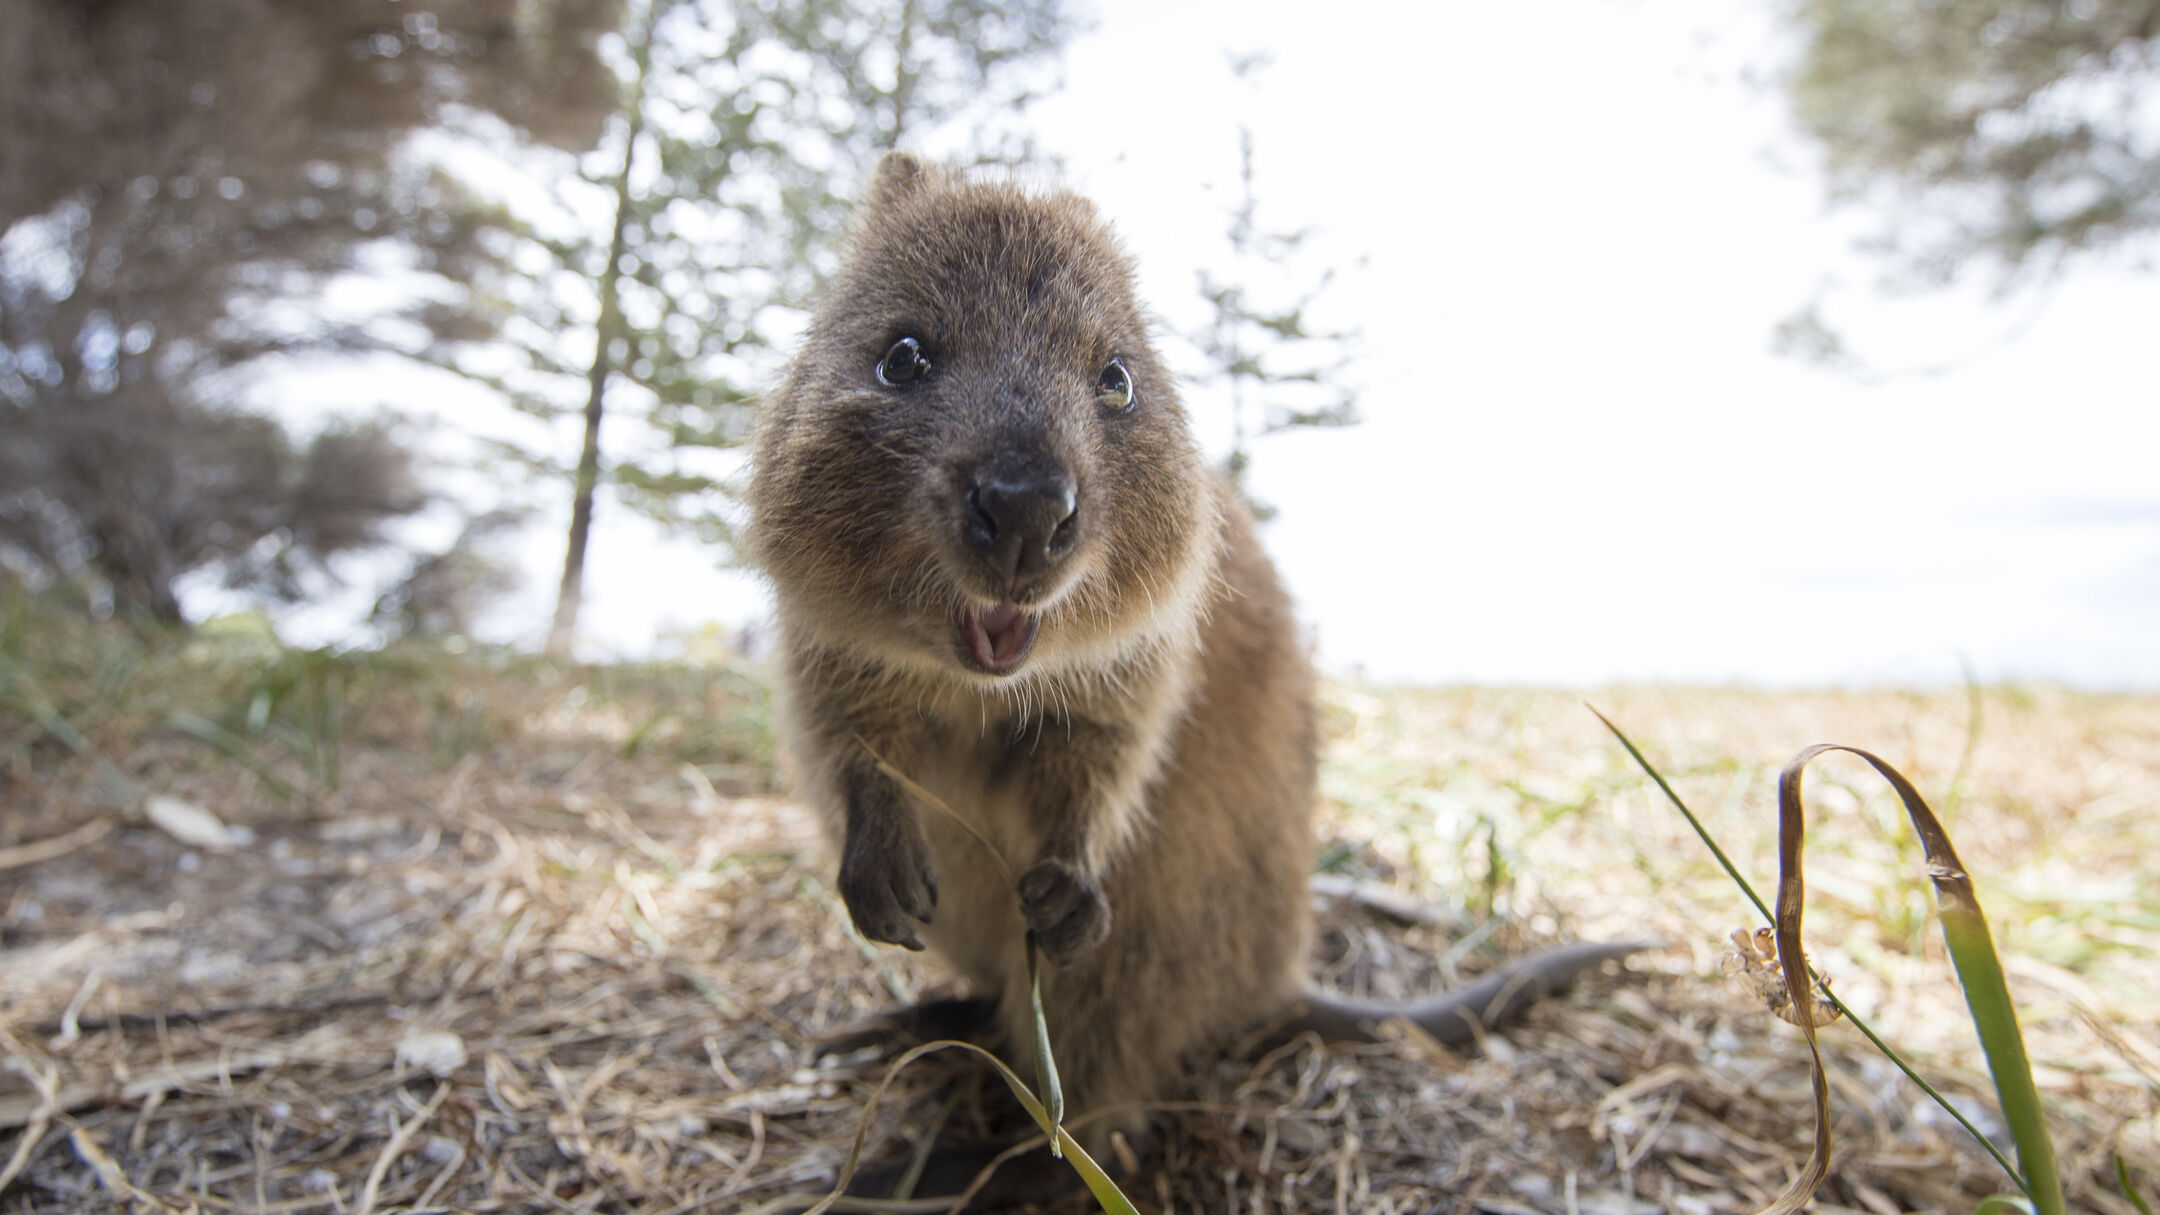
(141, 585)
(570, 596)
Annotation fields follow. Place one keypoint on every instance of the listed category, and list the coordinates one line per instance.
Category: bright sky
(1580, 461)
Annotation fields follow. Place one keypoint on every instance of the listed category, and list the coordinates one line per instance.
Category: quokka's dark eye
(1115, 386)
(904, 363)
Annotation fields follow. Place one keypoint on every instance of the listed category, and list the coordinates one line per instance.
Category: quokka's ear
(899, 174)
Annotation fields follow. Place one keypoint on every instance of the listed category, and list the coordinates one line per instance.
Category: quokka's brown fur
(1013, 581)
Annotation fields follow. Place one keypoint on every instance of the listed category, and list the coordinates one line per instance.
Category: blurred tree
(144, 490)
(445, 591)
(1283, 373)
(181, 183)
(744, 125)
(2012, 133)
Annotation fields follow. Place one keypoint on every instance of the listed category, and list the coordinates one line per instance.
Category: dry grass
(549, 941)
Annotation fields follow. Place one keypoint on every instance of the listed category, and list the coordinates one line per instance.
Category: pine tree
(743, 129)
(1282, 373)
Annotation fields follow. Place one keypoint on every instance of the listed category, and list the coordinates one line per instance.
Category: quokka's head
(977, 462)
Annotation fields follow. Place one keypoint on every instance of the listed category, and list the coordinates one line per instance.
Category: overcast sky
(1566, 232)
(1581, 460)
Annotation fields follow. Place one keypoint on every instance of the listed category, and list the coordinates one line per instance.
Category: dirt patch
(562, 972)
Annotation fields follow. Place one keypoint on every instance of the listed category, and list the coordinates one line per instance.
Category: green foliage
(2013, 134)
(85, 697)
(2129, 1191)
(292, 705)
(58, 685)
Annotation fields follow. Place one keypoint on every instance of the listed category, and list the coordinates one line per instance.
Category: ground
(483, 933)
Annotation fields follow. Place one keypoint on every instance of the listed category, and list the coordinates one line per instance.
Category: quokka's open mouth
(994, 639)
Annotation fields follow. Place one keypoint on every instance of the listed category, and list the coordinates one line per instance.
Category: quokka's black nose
(1022, 525)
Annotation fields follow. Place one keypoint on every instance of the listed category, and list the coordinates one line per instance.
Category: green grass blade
(1854, 1019)
(1107, 1195)
(1046, 1073)
(1980, 973)
(202, 729)
(2122, 1181)
(1725, 862)
(905, 1188)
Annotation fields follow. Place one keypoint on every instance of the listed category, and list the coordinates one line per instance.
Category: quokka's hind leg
(1032, 1176)
(967, 1018)
(1027, 1179)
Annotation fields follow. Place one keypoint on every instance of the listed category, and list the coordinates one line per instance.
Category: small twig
(110, 1174)
(46, 1080)
(70, 1025)
(400, 1139)
(443, 1178)
(59, 845)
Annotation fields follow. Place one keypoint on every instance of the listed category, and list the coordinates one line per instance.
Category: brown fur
(1146, 771)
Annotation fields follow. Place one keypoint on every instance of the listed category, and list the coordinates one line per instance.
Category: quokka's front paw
(887, 879)
(1065, 909)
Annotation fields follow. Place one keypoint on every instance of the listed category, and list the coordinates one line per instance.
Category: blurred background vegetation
(589, 211)
(584, 207)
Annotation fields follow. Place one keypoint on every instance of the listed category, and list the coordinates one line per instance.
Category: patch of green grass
(95, 697)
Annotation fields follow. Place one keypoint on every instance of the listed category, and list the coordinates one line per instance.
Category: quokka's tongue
(998, 636)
